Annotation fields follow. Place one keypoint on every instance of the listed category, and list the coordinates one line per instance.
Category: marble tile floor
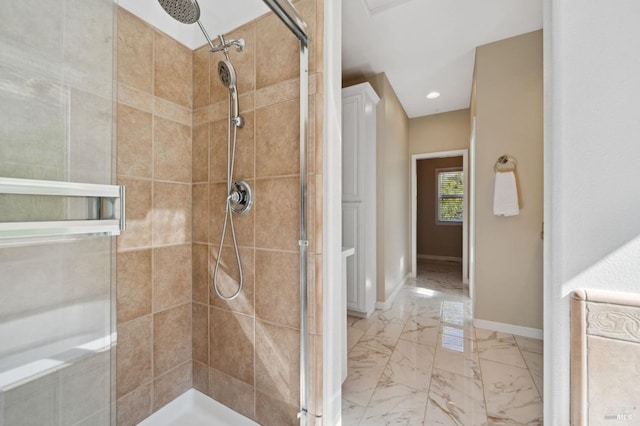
(423, 363)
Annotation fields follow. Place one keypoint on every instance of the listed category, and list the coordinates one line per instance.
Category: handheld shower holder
(238, 121)
(225, 45)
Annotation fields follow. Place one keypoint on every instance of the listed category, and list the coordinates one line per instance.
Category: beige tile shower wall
(246, 352)
(154, 361)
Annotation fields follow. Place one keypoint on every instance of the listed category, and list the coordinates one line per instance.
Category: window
(450, 191)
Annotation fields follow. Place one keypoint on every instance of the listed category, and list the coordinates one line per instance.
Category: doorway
(464, 258)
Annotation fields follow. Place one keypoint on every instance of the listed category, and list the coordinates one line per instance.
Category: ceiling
(422, 45)
(426, 45)
(217, 16)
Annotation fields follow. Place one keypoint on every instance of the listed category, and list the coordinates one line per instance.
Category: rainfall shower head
(185, 11)
(188, 12)
(227, 74)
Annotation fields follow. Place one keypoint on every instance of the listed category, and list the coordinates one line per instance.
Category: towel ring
(505, 163)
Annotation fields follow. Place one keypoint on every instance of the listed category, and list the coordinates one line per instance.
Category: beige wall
(393, 187)
(508, 107)
(447, 131)
(434, 239)
(439, 132)
(397, 192)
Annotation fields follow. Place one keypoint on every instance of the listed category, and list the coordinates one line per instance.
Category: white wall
(592, 200)
(332, 214)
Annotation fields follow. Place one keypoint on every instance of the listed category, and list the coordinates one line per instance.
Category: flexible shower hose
(228, 217)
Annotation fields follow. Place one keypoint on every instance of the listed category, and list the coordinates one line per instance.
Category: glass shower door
(57, 260)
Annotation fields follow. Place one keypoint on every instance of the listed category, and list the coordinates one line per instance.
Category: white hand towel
(505, 195)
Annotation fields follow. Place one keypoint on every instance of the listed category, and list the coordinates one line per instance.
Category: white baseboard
(387, 303)
(360, 314)
(534, 333)
(431, 257)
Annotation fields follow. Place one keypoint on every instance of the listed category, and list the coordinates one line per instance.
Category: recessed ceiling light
(433, 95)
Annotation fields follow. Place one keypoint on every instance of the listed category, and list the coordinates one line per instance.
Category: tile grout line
(153, 186)
(433, 365)
(484, 393)
(535, 385)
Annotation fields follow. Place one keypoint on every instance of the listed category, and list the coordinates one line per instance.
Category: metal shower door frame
(296, 24)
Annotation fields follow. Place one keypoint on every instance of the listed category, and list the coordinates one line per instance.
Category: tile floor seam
(530, 371)
(378, 380)
(528, 368)
(484, 393)
(506, 363)
(426, 408)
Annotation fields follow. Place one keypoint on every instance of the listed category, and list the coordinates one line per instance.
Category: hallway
(423, 362)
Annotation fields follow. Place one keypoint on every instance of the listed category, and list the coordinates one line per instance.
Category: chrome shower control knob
(235, 197)
(241, 197)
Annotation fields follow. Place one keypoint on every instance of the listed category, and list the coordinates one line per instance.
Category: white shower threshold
(194, 408)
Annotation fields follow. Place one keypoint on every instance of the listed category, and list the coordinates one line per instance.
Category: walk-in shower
(121, 94)
(239, 195)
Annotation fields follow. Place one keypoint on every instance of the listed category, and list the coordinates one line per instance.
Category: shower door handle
(104, 216)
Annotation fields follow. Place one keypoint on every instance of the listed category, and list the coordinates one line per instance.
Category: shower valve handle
(236, 197)
(241, 197)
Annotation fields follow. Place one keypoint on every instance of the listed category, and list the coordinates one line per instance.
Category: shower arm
(211, 45)
(224, 45)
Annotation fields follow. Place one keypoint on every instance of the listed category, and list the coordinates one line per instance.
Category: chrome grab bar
(111, 212)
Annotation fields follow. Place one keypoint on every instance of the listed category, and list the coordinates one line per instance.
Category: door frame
(466, 228)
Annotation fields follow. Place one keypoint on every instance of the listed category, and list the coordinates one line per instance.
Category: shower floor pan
(196, 409)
